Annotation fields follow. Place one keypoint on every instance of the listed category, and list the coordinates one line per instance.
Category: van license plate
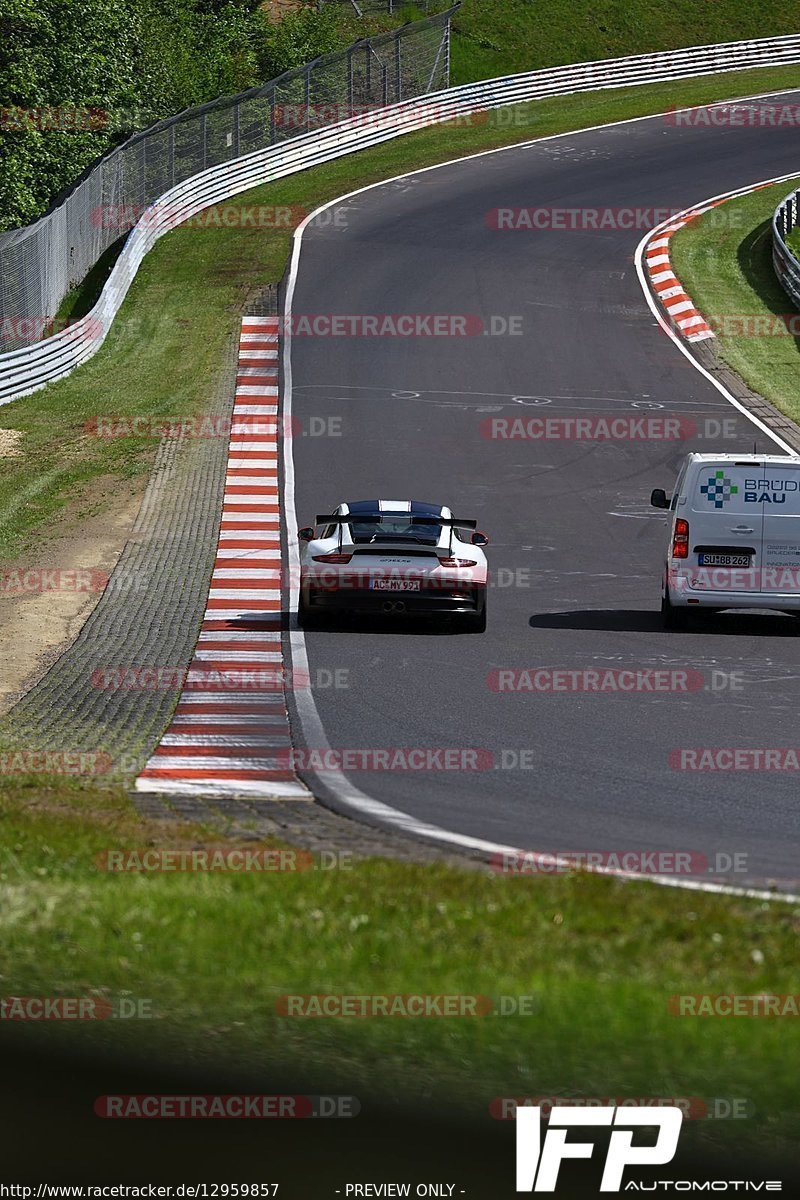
(724, 560)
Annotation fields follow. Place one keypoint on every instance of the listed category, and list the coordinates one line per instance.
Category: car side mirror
(306, 534)
(658, 498)
(480, 539)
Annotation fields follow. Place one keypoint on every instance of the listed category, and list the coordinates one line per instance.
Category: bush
(106, 68)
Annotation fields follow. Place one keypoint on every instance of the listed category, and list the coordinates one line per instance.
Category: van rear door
(779, 500)
(725, 526)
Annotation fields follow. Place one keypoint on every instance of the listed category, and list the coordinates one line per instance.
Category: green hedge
(108, 67)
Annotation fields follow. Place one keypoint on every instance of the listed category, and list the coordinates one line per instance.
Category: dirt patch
(277, 9)
(10, 443)
(46, 597)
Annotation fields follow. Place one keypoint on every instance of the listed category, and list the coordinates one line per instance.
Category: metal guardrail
(29, 368)
(787, 267)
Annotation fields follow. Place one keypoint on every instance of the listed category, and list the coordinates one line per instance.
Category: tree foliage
(108, 67)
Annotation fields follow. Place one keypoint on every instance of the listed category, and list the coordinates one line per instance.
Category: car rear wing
(412, 518)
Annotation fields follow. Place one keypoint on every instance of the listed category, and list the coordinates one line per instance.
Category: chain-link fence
(42, 262)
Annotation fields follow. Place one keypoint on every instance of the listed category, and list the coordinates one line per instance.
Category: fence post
(203, 138)
(350, 98)
(398, 68)
(308, 97)
(172, 153)
(236, 149)
(447, 44)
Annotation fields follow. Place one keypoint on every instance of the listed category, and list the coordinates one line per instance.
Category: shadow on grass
(754, 255)
(82, 299)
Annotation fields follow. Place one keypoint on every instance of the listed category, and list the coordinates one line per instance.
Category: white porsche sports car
(398, 557)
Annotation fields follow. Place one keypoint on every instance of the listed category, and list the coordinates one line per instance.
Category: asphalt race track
(569, 522)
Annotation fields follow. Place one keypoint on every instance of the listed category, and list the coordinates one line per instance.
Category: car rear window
(391, 528)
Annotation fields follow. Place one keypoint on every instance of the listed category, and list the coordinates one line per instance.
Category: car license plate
(395, 585)
(724, 560)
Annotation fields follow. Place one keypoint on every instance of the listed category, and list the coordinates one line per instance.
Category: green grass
(724, 259)
(164, 355)
(499, 37)
(214, 952)
(793, 242)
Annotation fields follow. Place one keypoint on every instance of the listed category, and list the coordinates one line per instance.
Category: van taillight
(680, 539)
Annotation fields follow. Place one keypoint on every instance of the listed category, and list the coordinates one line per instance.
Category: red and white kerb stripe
(678, 305)
(224, 737)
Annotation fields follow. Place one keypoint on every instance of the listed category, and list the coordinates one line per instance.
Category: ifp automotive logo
(719, 489)
(539, 1162)
(538, 1165)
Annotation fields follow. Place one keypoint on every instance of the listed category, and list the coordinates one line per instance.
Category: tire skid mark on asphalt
(232, 738)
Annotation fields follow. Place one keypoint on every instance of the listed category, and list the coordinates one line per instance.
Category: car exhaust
(394, 606)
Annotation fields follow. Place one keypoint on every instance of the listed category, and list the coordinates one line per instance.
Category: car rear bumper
(365, 600)
(688, 597)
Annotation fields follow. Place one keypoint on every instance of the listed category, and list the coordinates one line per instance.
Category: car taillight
(456, 562)
(335, 557)
(680, 539)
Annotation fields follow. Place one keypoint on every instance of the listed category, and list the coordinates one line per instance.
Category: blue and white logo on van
(719, 489)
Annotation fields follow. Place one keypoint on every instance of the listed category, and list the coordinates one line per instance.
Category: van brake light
(680, 539)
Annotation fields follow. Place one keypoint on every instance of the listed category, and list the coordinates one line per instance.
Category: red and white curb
(235, 740)
(679, 307)
(683, 316)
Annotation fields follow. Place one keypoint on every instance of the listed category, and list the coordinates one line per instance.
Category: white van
(734, 538)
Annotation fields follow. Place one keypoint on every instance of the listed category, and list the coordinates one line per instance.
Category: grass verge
(724, 260)
(214, 952)
(499, 37)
